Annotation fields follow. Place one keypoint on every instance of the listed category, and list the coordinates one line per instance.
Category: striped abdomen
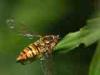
(29, 53)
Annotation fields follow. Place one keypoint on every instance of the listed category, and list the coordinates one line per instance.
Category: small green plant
(87, 36)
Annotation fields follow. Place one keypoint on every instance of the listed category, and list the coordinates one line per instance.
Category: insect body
(38, 49)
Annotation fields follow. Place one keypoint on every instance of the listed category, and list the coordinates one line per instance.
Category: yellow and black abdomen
(29, 53)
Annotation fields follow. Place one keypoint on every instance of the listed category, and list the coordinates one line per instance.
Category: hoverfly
(38, 49)
(41, 49)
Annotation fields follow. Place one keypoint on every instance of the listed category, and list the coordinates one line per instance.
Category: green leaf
(95, 64)
(86, 35)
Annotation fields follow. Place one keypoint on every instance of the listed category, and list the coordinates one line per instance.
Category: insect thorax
(46, 43)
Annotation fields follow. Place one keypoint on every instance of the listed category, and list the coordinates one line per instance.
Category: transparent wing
(47, 64)
(21, 28)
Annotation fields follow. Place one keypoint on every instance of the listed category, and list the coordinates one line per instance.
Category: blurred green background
(44, 17)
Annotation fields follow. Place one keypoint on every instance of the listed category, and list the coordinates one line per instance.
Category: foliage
(86, 35)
